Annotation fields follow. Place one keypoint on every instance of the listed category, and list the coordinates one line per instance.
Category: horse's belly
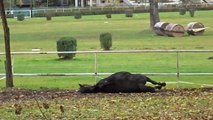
(121, 88)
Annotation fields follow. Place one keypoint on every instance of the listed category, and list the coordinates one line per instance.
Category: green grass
(44, 34)
(72, 82)
(128, 34)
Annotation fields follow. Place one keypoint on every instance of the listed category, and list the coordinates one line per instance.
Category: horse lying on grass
(122, 82)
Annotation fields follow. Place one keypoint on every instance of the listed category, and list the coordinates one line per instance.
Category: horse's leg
(155, 83)
(158, 87)
(144, 88)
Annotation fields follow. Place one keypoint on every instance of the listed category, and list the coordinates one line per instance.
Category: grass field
(128, 34)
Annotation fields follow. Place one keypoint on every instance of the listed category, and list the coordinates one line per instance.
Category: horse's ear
(80, 85)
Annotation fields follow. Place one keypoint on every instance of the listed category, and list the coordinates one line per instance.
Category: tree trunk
(8, 66)
(154, 15)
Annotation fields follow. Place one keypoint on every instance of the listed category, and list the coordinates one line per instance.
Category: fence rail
(115, 51)
(96, 73)
(103, 74)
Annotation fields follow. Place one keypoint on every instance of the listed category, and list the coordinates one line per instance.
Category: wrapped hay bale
(195, 28)
(159, 28)
(174, 30)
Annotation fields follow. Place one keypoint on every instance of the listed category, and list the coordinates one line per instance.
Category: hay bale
(195, 28)
(174, 30)
(159, 28)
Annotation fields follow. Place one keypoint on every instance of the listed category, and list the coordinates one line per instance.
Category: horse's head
(86, 88)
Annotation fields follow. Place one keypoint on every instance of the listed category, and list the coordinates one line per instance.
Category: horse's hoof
(158, 87)
(163, 84)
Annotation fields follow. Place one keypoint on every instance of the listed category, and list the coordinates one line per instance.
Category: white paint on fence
(191, 83)
(105, 74)
(2, 78)
(113, 51)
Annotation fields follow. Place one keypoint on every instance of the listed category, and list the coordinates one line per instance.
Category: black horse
(122, 82)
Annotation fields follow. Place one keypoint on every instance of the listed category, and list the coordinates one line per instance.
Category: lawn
(128, 34)
(65, 103)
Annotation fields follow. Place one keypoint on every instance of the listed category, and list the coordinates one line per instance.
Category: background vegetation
(128, 34)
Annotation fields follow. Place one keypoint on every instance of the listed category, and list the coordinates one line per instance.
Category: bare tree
(154, 15)
(8, 66)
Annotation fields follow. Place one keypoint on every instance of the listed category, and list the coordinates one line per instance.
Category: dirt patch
(56, 104)
(25, 94)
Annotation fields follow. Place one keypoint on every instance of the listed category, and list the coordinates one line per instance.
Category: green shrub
(191, 12)
(182, 11)
(129, 13)
(108, 15)
(48, 16)
(20, 16)
(66, 44)
(106, 40)
(77, 15)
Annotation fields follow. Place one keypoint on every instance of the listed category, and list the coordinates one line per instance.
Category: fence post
(177, 68)
(96, 68)
(12, 66)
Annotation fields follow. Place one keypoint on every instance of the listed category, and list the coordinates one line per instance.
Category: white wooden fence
(96, 73)
(111, 52)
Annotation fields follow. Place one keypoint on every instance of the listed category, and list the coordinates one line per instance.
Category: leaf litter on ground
(194, 103)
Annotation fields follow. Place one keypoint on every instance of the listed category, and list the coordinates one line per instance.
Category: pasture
(128, 34)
